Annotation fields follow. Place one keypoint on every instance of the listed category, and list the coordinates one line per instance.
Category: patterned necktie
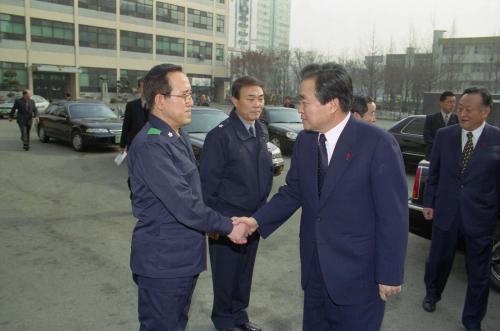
(322, 161)
(467, 153)
(446, 119)
(250, 130)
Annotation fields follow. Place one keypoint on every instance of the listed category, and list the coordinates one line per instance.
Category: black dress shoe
(428, 305)
(473, 329)
(249, 326)
(26, 147)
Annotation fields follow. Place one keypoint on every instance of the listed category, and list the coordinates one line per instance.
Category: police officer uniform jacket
(236, 168)
(168, 240)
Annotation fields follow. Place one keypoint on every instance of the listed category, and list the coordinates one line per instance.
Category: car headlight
(96, 130)
(291, 135)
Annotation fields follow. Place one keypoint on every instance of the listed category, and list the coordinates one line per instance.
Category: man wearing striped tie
(462, 196)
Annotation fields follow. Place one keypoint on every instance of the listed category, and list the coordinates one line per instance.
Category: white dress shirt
(332, 136)
(475, 135)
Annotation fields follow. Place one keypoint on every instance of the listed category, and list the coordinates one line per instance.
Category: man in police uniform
(168, 242)
(236, 175)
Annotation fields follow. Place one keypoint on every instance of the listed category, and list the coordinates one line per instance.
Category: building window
(476, 67)
(98, 5)
(60, 2)
(91, 79)
(199, 49)
(52, 32)
(219, 52)
(13, 76)
(220, 1)
(129, 79)
(12, 27)
(220, 23)
(137, 8)
(169, 46)
(166, 12)
(200, 19)
(95, 37)
(136, 42)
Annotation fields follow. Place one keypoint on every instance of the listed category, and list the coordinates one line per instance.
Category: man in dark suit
(26, 110)
(462, 198)
(136, 115)
(168, 243)
(236, 176)
(348, 177)
(436, 121)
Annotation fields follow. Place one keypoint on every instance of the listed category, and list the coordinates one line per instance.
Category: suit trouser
(232, 269)
(322, 314)
(25, 129)
(478, 264)
(164, 302)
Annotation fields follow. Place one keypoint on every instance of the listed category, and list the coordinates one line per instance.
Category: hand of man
(387, 290)
(249, 221)
(239, 233)
(428, 213)
(213, 235)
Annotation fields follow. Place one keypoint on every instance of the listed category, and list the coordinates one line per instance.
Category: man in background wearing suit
(26, 110)
(436, 121)
(136, 115)
(236, 178)
(462, 197)
(348, 177)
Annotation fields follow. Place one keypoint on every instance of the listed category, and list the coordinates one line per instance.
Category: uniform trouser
(25, 129)
(164, 302)
(322, 314)
(232, 269)
(478, 264)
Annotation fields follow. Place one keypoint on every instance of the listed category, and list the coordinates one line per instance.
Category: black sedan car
(283, 124)
(409, 134)
(82, 123)
(205, 119)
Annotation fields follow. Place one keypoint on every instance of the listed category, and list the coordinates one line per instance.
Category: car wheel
(42, 135)
(276, 141)
(77, 141)
(495, 264)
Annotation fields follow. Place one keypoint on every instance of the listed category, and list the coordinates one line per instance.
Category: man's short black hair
(359, 105)
(25, 91)
(445, 95)
(242, 82)
(156, 82)
(369, 99)
(487, 100)
(332, 81)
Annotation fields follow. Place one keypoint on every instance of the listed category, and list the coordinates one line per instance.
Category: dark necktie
(322, 161)
(446, 119)
(250, 130)
(467, 152)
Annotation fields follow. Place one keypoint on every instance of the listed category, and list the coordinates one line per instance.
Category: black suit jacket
(24, 115)
(433, 123)
(135, 118)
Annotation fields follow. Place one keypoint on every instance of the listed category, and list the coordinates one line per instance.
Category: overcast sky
(344, 28)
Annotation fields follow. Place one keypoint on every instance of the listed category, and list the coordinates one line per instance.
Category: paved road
(64, 252)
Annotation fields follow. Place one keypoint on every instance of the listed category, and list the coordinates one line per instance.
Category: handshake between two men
(242, 228)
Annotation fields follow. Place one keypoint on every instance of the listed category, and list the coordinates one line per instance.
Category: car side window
(61, 112)
(51, 110)
(416, 126)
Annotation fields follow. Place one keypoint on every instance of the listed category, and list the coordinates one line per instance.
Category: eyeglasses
(187, 97)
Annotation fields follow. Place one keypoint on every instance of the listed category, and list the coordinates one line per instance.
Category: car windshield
(204, 121)
(284, 115)
(91, 110)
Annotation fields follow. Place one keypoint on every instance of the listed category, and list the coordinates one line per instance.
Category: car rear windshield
(204, 121)
(284, 115)
(90, 111)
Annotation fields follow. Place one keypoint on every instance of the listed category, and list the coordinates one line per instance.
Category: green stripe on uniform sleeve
(154, 131)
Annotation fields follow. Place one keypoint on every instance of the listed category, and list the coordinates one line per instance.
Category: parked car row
(6, 106)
